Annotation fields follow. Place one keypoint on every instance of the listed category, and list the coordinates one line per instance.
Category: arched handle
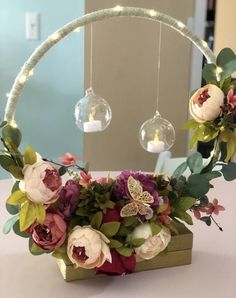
(99, 15)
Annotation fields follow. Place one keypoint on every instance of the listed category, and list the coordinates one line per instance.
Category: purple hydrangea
(146, 180)
(69, 198)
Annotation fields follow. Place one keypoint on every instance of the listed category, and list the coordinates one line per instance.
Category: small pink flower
(104, 180)
(231, 98)
(68, 159)
(85, 179)
(214, 207)
(197, 212)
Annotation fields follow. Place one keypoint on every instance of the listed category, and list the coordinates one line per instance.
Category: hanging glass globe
(92, 113)
(157, 134)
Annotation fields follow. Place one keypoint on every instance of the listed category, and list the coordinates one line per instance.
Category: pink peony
(42, 182)
(68, 159)
(51, 234)
(120, 265)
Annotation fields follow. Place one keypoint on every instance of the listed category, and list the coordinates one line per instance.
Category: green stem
(67, 167)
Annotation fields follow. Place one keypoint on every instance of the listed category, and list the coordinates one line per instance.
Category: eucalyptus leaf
(180, 170)
(30, 156)
(195, 162)
(229, 171)
(228, 69)
(225, 56)
(197, 185)
(209, 73)
(16, 229)
(9, 224)
(6, 162)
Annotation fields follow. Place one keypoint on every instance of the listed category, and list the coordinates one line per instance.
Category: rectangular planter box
(179, 252)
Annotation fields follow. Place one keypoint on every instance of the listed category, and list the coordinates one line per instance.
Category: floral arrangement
(108, 225)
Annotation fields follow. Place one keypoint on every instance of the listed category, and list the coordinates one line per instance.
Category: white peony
(87, 248)
(205, 104)
(42, 182)
(153, 245)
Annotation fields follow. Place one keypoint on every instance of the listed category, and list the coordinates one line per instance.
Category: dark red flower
(111, 215)
(120, 265)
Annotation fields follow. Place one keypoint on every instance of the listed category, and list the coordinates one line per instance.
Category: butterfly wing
(145, 198)
(129, 210)
(134, 187)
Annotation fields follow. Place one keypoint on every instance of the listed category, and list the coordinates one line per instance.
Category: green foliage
(195, 162)
(9, 224)
(30, 156)
(17, 198)
(16, 229)
(228, 69)
(206, 219)
(229, 171)
(62, 170)
(6, 161)
(16, 171)
(209, 73)
(115, 243)
(198, 185)
(125, 251)
(137, 242)
(226, 55)
(61, 253)
(97, 220)
(155, 228)
(180, 170)
(228, 137)
(35, 249)
(12, 133)
(13, 210)
(110, 229)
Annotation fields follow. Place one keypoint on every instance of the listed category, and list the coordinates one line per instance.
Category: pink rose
(87, 248)
(206, 102)
(51, 234)
(42, 182)
(68, 159)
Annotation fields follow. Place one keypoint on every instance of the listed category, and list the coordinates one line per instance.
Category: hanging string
(91, 55)
(159, 64)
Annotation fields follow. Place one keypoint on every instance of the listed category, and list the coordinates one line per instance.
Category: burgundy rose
(120, 265)
(111, 215)
(69, 198)
(51, 234)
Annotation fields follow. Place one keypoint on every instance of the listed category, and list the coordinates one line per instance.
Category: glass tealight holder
(156, 134)
(92, 113)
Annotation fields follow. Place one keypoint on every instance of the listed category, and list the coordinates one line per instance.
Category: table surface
(211, 274)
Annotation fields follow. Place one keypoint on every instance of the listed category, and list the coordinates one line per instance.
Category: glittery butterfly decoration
(140, 200)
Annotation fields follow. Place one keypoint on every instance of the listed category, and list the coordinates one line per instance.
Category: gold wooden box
(179, 252)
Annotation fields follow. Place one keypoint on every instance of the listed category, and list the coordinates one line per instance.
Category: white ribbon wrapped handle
(84, 20)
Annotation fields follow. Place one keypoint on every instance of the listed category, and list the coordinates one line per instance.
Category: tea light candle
(92, 126)
(156, 147)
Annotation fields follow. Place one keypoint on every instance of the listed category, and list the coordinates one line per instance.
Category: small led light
(77, 29)
(152, 13)
(219, 70)
(55, 36)
(118, 8)
(180, 25)
(31, 72)
(22, 79)
(204, 43)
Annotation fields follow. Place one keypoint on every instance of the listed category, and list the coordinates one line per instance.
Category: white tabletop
(211, 274)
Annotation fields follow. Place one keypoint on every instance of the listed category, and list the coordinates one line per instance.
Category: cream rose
(42, 182)
(153, 245)
(205, 104)
(87, 248)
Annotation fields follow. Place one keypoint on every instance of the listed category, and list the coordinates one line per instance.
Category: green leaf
(191, 124)
(209, 73)
(172, 227)
(130, 221)
(225, 56)
(30, 156)
(12, 133)
(115, 243)
(197, 185)
(229, 138)
(183, 215)
(60, 252)
(155, 228)
(17, 198)
(15, 186)
(6, 162)
(125, 251)
(16, 229)
(180, 170)
(35, 249)
(13, 210)
(40, 213)
(212, 175)
(223, 151)
(9, 224)
(97, 220)
(161, 208)
(228, 69)
(206, 219)
(110, 229)
(3, 124)
(195, 162)
(137, 242)
(62, 170)
(27, 215)
(16, 172)
(185, 203)
(229, 171)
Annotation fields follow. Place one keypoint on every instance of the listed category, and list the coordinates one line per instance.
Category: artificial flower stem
(67, 167)
(212, 218)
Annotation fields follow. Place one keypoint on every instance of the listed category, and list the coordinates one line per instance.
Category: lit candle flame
(156, 138)
(91, 115)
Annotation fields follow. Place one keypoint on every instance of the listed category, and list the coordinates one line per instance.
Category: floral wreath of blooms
(109, 224)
